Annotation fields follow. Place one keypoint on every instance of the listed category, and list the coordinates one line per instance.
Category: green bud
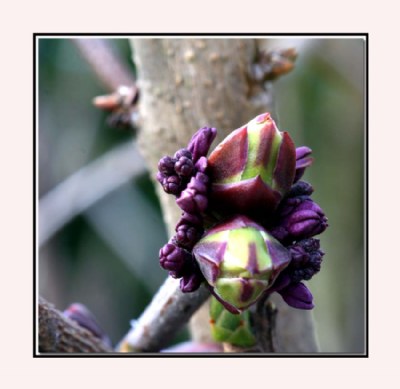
(240, 261)
(230, 328)
(252, 169)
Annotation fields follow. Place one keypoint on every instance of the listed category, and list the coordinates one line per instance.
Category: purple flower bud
(252, 169)
(187, 235)
(306, 220)
(299, 218)
(297, 296)
(166, 165)
(183, 153)
(191, 282)
(201, 142)
(184, 167)
(173, 258)
(194, 199)
(172, 185)
(81, 315)
(303, 160)
(201, 164)
(192, 202)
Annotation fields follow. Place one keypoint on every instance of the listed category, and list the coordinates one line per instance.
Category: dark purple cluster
(306, 261)
(185, 176)
(297, 219)
(174, 172)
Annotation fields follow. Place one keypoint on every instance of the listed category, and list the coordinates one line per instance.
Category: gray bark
(186, 84)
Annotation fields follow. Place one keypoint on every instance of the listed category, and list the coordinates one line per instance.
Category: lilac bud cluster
(294, 223)
(185, 176)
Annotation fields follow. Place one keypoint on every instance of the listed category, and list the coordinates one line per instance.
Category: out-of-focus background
(106, 257)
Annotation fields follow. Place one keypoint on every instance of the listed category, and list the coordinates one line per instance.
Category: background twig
(108, 67)
(86, 186)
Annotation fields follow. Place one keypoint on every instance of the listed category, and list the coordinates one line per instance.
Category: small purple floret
(187, 235)
(303, 160)
(306, 220)
(201, 141)
(299, 218)
(172, 185)
(297, 296)
(183, 153)
(166, 165)
(184, 166)
(173, 258)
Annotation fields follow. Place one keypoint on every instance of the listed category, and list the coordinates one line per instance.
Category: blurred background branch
(85, 187)
(106, 64)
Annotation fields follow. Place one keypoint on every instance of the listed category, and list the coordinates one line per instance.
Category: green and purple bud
(230, 328)
(240, 261)
(252, 169)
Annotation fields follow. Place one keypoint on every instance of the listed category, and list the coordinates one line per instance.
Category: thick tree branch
(58, 334)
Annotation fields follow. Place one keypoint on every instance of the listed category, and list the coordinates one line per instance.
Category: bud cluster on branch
(248, 222)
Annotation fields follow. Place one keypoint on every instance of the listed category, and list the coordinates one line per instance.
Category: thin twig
(86, 186)
(58, 334)
(169, 310)
(108, 67)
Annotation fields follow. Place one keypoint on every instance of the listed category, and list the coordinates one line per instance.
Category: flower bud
(300, 218)
(184, 167)
(201, 142)
(252, 169)
(172, 185)
(187, 235)
(297, 296)
(173, 258)
(230, 328)
(183, 153)
(194, 199)
(240, 261)
(303, 160)
(166, 165)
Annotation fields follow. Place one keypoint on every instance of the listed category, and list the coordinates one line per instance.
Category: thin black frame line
(212, 355)
(248, 34)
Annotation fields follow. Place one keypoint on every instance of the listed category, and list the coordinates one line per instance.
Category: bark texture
(186, 84)
(58, 334)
